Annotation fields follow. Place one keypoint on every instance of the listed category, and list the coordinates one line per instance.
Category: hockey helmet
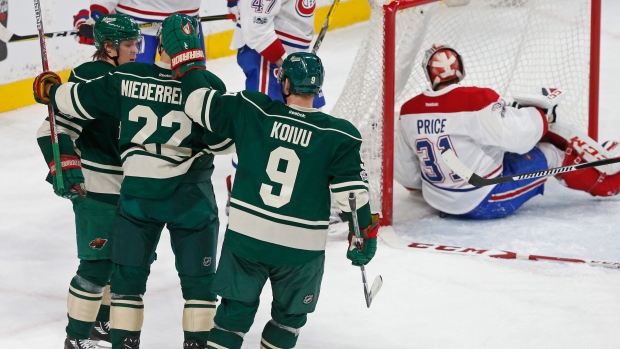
(117, 28)
(442, 63)
(305, 72)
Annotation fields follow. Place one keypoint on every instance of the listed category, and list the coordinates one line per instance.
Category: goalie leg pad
(554, 155)
(589, 180)
(584, 148)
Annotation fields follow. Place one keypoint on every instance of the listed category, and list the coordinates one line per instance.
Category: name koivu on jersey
(291, 134)
(151, 92)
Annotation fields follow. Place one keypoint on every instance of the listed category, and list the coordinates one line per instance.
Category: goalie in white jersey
(495, 139)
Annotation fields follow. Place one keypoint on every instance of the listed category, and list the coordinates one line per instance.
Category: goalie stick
(456, 165)
(376, 285)
(8, 36)
(86, 30)
(388, 235)
(50, 109)
(328, 19)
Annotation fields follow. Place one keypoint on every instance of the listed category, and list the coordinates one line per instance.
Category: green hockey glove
(368, 248)
(38, 86)
(72, 176)
(179, 35)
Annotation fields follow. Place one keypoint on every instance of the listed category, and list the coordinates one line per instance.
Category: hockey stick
(50, 110)
(8, 36)
(456, 165)
(86, 30)
(328, 19)
(391, 239)
(376, 285)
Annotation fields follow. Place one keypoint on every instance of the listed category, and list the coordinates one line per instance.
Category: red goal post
(511, 46)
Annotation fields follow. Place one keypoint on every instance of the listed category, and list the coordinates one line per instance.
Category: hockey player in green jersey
(167, 162)
(93, 145)
(290, 156)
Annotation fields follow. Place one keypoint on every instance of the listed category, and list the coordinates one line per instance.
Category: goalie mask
(442, 63)
(117, 28)
(304, 71)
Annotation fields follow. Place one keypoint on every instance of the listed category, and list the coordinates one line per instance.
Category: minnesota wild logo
(98, 243)
(308, 299)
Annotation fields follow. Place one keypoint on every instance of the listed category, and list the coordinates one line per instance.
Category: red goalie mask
(442, 63)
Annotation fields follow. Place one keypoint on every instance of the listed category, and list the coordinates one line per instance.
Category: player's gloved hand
(97, 11)
(83, 17)
(546, 103)
(368, 248)
(557, 96)
(38, 86)
(233, 11)
(72, 176)
(180, 39)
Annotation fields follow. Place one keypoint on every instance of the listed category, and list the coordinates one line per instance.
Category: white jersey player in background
(494, 139)
(266, 32)
(143, 11)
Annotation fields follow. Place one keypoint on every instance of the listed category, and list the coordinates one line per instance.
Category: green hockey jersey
(94, 141)
(289, 159)
(158, 143)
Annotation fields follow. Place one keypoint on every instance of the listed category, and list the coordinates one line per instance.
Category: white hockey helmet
(442, 63)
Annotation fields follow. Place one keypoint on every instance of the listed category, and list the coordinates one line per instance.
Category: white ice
(428, 300)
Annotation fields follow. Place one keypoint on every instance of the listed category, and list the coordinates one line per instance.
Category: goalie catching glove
(38, 86)
(368, 246)
(72, 176)
(547, 102)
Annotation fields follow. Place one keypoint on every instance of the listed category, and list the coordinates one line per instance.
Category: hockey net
(511, 46)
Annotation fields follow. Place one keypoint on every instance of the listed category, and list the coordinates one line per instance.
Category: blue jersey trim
(294, 45)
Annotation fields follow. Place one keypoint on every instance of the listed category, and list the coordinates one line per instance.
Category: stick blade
(374, 289)
(5, 34)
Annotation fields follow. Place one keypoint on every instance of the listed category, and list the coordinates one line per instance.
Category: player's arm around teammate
(167, 180)
(92, 176)
(290, 156)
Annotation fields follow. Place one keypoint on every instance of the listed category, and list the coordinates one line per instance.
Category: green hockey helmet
(116, 28)
(304, 71)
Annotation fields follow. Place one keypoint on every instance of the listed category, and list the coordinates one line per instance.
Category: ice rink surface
(428, 300)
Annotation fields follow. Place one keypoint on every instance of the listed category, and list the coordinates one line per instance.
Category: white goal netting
(509, 45)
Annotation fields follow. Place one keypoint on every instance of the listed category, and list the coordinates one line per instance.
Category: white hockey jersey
(145, 11)
(266, 22)
(476, 123)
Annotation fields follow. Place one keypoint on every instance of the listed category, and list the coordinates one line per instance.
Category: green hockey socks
(83, 304)
(277, 336)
